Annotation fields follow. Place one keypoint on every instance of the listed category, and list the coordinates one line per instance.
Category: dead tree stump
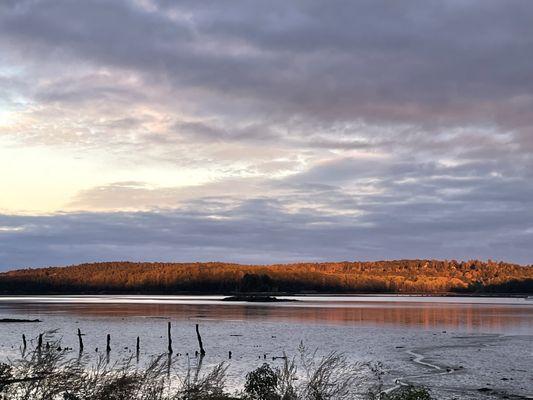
(169, 339)
(80, 340)
(202, 351)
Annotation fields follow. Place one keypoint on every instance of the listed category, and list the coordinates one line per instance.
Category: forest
(400, 276)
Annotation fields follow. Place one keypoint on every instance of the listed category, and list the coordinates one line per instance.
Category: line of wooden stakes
(108, 343)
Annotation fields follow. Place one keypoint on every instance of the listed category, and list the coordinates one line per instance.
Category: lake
(454, 345)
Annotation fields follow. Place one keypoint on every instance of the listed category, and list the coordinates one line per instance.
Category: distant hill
(402, 276)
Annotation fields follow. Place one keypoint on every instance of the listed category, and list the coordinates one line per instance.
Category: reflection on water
(491, 315)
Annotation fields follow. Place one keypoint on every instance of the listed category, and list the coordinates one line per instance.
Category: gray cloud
(327, 213)
(417, 62)
(260, 230)
(293, 71)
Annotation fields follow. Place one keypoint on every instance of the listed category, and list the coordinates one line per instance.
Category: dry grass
(53, 373)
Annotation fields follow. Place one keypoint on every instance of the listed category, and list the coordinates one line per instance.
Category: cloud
(420, 62)
(340, 210)
(284, 73)
(265, 231)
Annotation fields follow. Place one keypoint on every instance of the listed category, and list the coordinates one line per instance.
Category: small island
(256, 299)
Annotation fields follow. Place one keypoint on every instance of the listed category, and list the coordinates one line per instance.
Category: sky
(265, 132)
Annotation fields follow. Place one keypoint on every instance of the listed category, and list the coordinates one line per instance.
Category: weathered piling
(169, 338)
(40, 342)
(137, 349)
(108, 343)
(24, 344)
(198, 367)
(80, 340)
(229, 354)
(202, 351)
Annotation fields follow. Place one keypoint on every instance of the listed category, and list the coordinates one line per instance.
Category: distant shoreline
(274, 294)
(398, 277)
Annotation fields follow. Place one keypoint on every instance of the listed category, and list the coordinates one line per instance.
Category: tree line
(400, 276)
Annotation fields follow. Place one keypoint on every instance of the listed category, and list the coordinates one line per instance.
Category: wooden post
(138, 346)
(199, 366)
(108, 345)
(80, 340)
(40, 342)
(202, 351)
(229, 354)
(169, 339)
(24, 341)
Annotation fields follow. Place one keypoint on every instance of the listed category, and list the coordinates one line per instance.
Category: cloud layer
(265, 132)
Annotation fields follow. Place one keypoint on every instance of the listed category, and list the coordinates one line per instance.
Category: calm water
(487, 342)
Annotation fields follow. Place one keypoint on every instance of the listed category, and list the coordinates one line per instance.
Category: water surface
(489, 338)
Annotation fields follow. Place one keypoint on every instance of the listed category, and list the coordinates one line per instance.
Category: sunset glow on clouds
(265, 131)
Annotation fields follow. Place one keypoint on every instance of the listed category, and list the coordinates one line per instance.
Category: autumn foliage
(402, 276)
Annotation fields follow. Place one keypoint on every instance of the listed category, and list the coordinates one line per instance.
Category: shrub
(409, 393)
(262, 384)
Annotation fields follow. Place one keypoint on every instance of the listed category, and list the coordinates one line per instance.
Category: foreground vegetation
(51, 374)
(403, 276)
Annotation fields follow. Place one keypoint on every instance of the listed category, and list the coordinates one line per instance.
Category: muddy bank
(464, 368)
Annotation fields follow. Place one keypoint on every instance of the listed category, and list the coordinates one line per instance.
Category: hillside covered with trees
(402, 276)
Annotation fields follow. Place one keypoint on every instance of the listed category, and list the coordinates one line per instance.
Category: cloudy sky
(265, 131)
